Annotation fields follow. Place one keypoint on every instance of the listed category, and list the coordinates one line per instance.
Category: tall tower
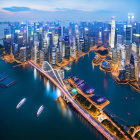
(27, 33)
(112, 41)
(36, 51)
(130, 18)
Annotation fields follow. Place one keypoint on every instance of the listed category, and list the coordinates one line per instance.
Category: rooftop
(98, 99)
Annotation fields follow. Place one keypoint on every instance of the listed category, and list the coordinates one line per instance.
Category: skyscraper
(128, 34)
(131, 18)
(36, 51)
(23, 54)
(112, 41)
(67, 47)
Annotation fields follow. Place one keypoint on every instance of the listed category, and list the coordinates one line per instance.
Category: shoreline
(116, 78)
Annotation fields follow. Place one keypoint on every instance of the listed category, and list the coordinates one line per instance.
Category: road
(81, 110)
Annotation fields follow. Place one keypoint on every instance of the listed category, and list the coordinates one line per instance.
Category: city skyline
(69, 69)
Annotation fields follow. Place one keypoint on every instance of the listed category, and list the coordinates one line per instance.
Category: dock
(6, 81)
(3, 76)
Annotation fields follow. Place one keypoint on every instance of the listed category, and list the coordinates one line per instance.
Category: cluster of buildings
(49, 41)
(124, 42)
(81, 87)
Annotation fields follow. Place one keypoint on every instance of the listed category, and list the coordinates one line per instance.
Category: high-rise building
(136, 68)
(73, 48)
(36, 51)
(131, 18)
(106, 38)
(134, 48)
(7, 45)
(100, 37)
(15, 50)
(59, 54)
(23, 54)
(123, 57)
(136, 38)
(67, 47)
(53, 56)
(128, 54)
(112, 37)
(119, 39)
(55, 39)
(42, 56)
(128, 34)
(114, 56)
(86, 45)
(128, 72)
(132, 72)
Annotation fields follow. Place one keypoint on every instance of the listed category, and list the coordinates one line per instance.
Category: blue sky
(67, 9)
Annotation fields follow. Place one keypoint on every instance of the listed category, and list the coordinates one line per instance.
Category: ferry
(40, 110)
(21, 103)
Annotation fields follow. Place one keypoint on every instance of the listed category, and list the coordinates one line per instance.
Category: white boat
(40, 110)
(21, 103)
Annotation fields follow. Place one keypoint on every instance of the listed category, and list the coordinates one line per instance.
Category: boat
(21, 103)
(40, 110)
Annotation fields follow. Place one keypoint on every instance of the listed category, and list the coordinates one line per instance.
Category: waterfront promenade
(86, 115)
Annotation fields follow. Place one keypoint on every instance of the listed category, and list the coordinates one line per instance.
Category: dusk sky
(67, 9)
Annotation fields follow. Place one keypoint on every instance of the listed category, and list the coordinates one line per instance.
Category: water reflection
(58, 92)
(35, 74)
(64, 109)
(47, 86)
(93, 67)
(105, 83)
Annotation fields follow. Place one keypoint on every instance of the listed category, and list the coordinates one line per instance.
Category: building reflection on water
(35, 74)
(64, 109)
(105, 83)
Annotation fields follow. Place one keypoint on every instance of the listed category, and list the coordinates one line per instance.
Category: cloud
(17, 9)
(5, 11)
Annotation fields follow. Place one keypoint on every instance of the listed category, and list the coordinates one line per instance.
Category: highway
(81, 110)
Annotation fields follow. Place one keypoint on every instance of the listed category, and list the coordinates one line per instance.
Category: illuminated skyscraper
(100, 37)
(67, 47)
(131, 18)
(106, 37)
(128, 34)
(15, 50)
(134, 48)
(73, 48)
(114, 56)
(112, 39)
(41, 56)
(123, 57)
(53, 56)
(55, 39)
(36, 51)
(119, 39)
(59, 54)
(23, 54)
(136, 68)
